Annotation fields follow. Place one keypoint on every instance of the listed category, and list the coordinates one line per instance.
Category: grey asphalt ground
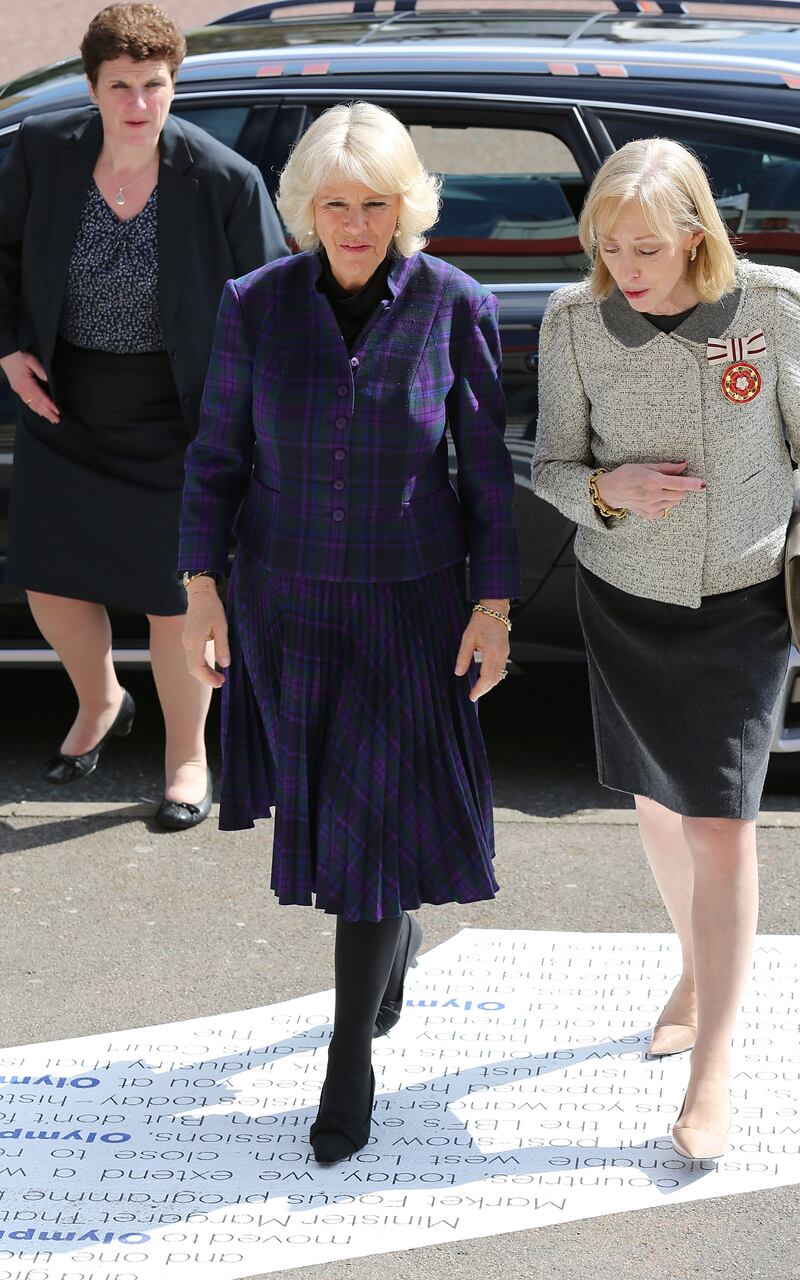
(109, 923)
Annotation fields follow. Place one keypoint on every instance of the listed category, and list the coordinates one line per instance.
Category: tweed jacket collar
(708, 320)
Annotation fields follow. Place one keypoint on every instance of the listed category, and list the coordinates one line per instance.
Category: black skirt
(95, 501)
(684, 700)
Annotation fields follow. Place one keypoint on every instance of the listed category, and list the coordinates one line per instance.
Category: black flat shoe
(335, 1135)
(61, 768)
(405, 958)
(178, 815)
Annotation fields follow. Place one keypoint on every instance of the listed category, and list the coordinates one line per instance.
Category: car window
(755, 175)
(225, 123)
(510, 202)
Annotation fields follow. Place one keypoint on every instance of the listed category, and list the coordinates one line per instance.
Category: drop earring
(693, 253)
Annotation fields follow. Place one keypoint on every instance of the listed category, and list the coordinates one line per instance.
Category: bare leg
(184, 703)
(724, 919)
(661, 831)
(80, 633)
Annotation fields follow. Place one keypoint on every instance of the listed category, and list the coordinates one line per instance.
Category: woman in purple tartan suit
(349, 699)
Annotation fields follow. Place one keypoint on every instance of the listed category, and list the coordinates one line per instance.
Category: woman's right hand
(26, 375)
(650, 489)
(206, 626)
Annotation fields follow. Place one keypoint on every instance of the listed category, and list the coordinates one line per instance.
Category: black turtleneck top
(353, 309)
(667, 323)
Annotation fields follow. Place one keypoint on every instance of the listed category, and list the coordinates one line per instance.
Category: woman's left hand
(489, 637)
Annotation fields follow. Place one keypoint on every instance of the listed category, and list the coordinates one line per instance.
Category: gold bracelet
(187, 577)
(493, 613)
(618, 513)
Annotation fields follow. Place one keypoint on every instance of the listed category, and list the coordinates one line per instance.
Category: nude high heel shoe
(698, 1144)
(669, 1038)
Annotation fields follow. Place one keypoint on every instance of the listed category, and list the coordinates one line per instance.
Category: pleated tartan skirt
(341, 711)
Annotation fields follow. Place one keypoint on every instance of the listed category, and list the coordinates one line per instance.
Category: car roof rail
(365, 8)
(354, 8)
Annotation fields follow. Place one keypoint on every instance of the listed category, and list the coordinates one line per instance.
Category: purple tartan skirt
(342, 711)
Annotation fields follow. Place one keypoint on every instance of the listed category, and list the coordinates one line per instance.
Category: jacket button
(341, 422)
(342, 391)
(354, 362)
(339, 454)
(338, 515)
(338, 483)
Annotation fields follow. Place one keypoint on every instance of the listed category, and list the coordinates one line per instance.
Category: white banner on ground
(513, 1094)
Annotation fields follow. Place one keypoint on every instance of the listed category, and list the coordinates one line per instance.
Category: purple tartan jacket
(334, 466)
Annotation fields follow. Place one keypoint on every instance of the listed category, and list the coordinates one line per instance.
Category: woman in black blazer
(118, 228)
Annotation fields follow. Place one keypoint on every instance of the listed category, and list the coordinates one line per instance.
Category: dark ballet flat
(335, 1135)
(405, 958)
(178, 815)
(62, 768)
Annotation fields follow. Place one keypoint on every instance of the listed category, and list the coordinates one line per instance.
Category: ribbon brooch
(741, 381)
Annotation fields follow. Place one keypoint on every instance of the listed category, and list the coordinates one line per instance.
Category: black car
(517, 108)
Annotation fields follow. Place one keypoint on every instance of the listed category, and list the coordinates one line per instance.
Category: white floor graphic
(513, 1094)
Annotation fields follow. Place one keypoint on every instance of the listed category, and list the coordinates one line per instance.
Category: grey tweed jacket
(613, 389)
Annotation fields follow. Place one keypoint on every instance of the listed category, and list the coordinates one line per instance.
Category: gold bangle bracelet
(618, 513)
(493, 613)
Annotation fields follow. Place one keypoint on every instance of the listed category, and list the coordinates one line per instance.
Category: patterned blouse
(111, 300)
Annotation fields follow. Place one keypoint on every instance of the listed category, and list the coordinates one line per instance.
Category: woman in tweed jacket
(666, 379)
(349, 704)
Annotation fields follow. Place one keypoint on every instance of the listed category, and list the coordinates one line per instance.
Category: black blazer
(215, 222)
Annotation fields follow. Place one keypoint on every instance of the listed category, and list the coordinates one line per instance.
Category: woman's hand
(206, 621)
(648, 488)
(489, 637)
(26, 375)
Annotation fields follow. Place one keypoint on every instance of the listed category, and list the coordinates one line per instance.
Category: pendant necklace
(119, 198)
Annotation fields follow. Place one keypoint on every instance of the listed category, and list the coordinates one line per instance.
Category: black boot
(339, 1130)
(405, 958)
(365, 953)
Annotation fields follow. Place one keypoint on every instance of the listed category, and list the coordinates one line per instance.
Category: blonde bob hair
(671, 186)
(359, 142)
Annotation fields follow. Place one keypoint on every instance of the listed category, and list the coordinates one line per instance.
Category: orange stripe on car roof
(611, 69)
(315, 68)
(271, 69)
(563, 69)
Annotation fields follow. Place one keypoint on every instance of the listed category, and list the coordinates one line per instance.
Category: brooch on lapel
(741, 381)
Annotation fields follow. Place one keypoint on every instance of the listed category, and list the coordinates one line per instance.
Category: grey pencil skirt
(683, 700)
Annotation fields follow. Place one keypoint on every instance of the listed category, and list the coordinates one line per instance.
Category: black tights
(365, 952)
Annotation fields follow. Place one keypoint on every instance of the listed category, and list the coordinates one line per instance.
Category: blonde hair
(671, 186)
(359, 142)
